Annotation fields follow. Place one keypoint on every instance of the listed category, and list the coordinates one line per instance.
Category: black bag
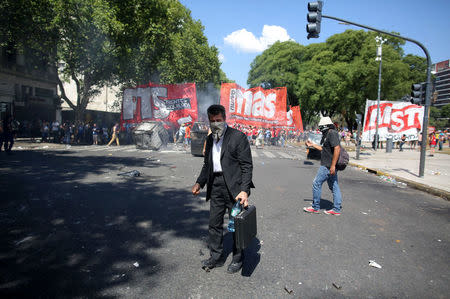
(342, 160)
(245, 227)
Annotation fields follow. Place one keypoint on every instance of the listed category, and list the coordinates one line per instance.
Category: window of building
(43, 92)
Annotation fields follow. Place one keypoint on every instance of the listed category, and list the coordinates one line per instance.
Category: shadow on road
(252, 258)
(65, 233)
(324, 203)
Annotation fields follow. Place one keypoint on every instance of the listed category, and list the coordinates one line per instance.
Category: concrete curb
(426, 188)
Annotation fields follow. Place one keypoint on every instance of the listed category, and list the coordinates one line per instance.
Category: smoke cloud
(207, 95)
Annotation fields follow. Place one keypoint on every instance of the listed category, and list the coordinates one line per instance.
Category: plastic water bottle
(234, 211)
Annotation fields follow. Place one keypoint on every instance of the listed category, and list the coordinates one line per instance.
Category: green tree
(336, 77)
(440, 117)
(445, 111)
(417, 68)
(277, 66)
(160, 42)
(111, 42)
(85, 51)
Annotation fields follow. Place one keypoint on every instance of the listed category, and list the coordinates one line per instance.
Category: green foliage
(159, 41)
(278, 66)
(440, 117)
(445, 111)
(110, 42)
(336, 77)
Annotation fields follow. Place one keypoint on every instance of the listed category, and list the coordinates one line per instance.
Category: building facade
(106, 101)
(104, 108)
(27, 90)
(441, 71)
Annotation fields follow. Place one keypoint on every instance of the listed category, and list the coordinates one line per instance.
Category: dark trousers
(8, 140)
(221, 200)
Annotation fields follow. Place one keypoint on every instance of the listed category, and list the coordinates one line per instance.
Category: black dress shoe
(211, 263)
(234, 267)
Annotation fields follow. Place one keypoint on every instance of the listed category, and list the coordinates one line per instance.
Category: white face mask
(217, 129)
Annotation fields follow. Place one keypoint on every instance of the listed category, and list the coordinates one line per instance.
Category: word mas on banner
(255, 106)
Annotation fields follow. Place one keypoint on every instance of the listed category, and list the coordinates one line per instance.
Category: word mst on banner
(172, 104)
(395, 120)
(255, 106)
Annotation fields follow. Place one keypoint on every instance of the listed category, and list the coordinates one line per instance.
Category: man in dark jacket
(227, 172)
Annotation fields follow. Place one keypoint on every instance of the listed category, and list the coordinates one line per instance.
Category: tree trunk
(79, 114)
(349, 122)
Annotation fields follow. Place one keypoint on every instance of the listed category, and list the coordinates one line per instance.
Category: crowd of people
(91, 133)
(72, 132)
(436, 139)
(275, 136)
(66, 132)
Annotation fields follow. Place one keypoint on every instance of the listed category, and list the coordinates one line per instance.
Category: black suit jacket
(236, 161)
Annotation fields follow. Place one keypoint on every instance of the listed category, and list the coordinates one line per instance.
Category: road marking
(255, 154)
(268, 154)
(172, 151)
(145, 151)
(131, 150)
(284, 155)
(96, 149)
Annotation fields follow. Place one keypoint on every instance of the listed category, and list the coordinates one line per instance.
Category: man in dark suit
(227, 172)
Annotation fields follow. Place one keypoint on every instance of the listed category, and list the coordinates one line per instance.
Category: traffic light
(418, 93)
(314, 18)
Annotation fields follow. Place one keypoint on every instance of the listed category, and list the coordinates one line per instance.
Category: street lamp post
(380, 41)
(423, 148)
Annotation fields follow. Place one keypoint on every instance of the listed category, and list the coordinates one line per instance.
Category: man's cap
(324, 121)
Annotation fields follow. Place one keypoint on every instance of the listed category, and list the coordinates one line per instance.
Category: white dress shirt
(216, 150)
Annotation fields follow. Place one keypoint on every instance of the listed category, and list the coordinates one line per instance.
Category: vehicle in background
(199, 132)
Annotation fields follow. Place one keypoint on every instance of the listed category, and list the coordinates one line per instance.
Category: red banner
(172, 104)
(255, 106)
(294, 118)
(395, 120)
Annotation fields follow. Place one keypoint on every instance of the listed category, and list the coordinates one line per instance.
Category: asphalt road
(71, 227)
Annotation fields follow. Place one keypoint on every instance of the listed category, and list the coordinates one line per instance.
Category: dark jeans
(221, 200)
(8, 139)
(401, 145)
(55, 135)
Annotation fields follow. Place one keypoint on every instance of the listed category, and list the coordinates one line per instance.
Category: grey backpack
(343, 159)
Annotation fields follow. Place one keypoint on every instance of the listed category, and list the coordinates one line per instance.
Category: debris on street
(26, 239)
(401, 185)
(388, 179)
(136, 265)
(132, 173)
(337, 286)
(288, 290)
(150, 136)
(374, 264)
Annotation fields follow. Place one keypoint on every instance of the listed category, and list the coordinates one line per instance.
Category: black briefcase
(245, 227)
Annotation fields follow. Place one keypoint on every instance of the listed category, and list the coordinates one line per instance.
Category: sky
(243, 29)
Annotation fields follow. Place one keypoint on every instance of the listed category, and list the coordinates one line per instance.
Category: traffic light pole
(423, 147)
